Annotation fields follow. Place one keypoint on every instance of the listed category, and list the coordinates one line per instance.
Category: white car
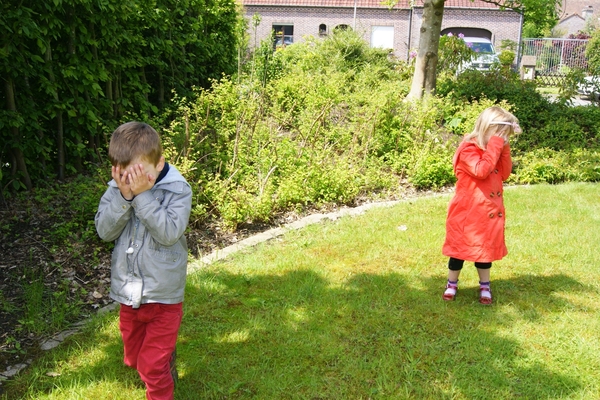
(485, 54)
(589, 88)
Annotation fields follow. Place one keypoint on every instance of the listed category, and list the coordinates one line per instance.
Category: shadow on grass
(295, 335)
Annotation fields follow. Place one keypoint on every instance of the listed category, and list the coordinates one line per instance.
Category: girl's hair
(490, 121)
(134, 140)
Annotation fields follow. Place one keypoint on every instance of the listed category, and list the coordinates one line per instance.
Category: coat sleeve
(505, 163)
(166, 222)
(479, 165)
(113, 214)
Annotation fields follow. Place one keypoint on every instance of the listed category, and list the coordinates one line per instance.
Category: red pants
(149, 337)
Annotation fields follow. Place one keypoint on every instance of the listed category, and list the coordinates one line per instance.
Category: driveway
(575, 101)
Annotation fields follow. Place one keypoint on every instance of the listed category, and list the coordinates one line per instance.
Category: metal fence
(555, 57)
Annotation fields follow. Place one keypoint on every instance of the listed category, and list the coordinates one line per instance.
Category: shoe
(485, 296)
(450, 292)
(173, 367)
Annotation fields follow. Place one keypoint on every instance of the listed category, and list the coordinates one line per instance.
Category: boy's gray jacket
(149, 261)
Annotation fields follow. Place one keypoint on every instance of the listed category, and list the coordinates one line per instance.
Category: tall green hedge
(72, 70)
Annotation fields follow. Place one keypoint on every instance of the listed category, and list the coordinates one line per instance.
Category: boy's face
(148, 167)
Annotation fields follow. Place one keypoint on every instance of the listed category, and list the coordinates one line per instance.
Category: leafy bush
(432, 171)
(506, 57)
(592, 52)
(552, 166)
(529, 106)
(559, 133)
(453, 51)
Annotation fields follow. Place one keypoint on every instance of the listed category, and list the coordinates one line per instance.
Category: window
(283, 34)
(322, 30)
(382, 37)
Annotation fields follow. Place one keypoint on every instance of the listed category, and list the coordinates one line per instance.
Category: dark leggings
(454, 264)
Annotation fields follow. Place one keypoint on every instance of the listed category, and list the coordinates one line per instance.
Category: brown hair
(133, 140)
(491, 120)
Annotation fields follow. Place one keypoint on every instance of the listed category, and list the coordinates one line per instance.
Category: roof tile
(365, 3)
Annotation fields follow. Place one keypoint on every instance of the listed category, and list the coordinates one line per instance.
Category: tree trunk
(19, 158)
(427, 57)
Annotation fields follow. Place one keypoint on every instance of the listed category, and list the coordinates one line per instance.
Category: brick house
(576, 14)
(580, 7)
(395, 27)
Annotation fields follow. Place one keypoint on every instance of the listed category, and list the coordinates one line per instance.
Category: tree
(427, 56)
(539, 17)
(424, 78)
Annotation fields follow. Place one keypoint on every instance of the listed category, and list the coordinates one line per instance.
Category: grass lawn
(352, 309)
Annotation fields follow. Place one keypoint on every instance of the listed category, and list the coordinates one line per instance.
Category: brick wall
(503, 24)
(306, 21)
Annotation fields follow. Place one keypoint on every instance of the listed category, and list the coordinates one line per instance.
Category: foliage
(556, 126)
(568, 89)
(539, 16)
(453, 52)
(507, 44)
(74, 69)
(507, 57)
(531, 108)
(592, 52)
(305, 126)
(324, 121)
(432, 171)
(545, 165)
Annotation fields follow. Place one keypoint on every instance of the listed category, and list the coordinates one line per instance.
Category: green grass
(352, 309)
(549, 90)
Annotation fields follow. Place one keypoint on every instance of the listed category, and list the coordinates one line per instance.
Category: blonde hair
(133, 140)
(491, 121)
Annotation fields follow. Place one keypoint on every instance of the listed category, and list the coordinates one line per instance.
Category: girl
(475, 222)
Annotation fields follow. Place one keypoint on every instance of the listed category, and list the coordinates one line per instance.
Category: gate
(555, 57)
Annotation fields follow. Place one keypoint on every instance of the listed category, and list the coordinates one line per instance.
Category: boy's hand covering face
(121, 177)
(140, 181)
(133, 179)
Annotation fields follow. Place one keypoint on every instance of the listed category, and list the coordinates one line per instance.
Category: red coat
(475, 222)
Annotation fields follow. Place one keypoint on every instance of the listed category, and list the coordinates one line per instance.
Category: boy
(145, 210)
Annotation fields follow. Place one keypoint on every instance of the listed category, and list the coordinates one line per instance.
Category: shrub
(453, 51)
(592, 52)
(529, 106)
(432, 171)
(506, 58)
(551, 166)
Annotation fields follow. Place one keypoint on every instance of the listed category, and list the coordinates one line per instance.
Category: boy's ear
(161, 164)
